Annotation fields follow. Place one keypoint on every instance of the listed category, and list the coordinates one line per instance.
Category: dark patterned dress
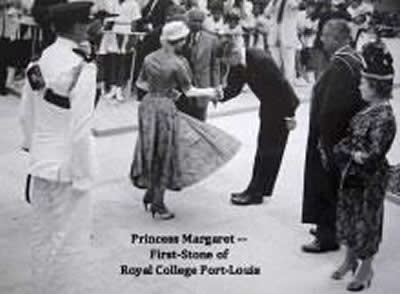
(363, 186)
(173, 150)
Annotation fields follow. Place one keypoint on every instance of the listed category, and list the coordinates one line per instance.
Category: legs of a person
(289, 63)
(271, 144)
(60, 238)
(3, 64)
(349, 263)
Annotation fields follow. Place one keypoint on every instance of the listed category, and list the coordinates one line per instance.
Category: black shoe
(246, 199)
(3, 91)
(239, 194)
(317, 247)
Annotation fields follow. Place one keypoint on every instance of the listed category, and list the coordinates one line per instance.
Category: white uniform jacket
(58, 136)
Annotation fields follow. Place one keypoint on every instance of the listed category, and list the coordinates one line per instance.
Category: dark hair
(383, 88)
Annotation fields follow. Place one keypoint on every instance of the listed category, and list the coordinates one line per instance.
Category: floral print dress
(173, 150)
(363, 186)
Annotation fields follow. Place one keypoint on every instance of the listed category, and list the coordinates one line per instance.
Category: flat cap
(78, 11)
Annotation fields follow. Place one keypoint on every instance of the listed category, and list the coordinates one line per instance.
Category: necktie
(281, 9)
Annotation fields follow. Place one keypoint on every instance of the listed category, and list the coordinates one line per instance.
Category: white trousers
(60, 238)
(285, 58)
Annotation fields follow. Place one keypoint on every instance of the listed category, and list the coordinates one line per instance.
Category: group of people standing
(351, 129)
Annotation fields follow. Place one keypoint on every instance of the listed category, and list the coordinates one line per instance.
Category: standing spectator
(306, 29)
(202, 52)
(361, 14)
(117, 46)
(154, 14)
(151, 41)
(5, 35)
(337, 10)
(57, 118)
(361, 158)
(282, 36)
(335, 100)
(278, 103)
(214, 23)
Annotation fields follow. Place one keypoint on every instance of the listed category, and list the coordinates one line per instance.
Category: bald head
(336, 33)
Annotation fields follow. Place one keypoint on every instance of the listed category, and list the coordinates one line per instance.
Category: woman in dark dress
(173, 150)
(361, 157)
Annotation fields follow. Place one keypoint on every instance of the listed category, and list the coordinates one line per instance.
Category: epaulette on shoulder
(87, 56)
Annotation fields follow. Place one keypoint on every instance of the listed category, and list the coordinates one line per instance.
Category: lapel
(198, 49)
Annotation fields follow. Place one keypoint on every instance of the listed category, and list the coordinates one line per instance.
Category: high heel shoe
(161, 211)
(357, 285)
(147, 199)
(344, 269)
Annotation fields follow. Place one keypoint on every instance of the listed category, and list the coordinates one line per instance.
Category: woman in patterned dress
(361, 157)
(173, 150)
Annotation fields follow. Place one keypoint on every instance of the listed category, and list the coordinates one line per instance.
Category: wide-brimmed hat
(378, 62)
(174, 30)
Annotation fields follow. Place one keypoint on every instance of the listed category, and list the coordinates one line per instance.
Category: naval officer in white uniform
(56, 116)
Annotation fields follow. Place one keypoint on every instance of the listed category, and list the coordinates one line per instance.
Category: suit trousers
(60, 238)
(285, 58)
(4, 61)
(271, 144)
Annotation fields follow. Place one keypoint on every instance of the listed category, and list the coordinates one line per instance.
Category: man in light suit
(282, 37)
(202, 52)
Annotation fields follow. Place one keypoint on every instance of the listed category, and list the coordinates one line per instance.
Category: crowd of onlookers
(251, 22)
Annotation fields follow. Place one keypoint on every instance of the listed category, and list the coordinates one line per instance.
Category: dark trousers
(116, 69)
(4, 61)
(272, 139)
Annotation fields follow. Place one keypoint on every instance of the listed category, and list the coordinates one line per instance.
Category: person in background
(337, 10)
(151, 41)
(278, 103)
(116, 46)
(154, 14)
(56, 116)
(173, 150)
(306, 29)
(5, 34)
(202, 50)
(233, 27)
(361, 14)
(214, 23)
(361, 158)
(282, 36)
(335, 100)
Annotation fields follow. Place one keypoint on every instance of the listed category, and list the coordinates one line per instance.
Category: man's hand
(290, 123)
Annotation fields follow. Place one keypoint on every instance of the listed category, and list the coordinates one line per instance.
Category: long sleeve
(82, 107)
(215, 65)
(235, 82)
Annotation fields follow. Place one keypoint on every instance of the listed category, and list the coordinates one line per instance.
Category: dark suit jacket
(276, 95)
(158, 14)
(335, 100)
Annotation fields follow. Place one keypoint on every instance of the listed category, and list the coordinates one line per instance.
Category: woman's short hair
(378, 68)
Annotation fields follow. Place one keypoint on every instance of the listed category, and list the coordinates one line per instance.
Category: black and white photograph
(199, 146)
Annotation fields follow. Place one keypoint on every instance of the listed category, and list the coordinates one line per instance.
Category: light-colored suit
(204, 62)
(282, 37)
